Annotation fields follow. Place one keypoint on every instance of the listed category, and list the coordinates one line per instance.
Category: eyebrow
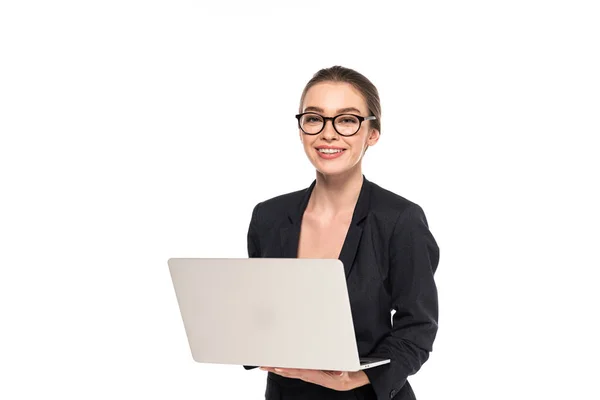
(339, 111)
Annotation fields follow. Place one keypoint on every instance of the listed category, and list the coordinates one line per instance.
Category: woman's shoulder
(394, 208)
(386, 199)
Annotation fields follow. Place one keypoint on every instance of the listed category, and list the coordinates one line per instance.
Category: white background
(136, 131)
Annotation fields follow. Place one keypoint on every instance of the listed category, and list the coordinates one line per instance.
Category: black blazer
(390, 258)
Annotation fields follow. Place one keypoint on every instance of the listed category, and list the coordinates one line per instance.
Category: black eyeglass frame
(359, 117)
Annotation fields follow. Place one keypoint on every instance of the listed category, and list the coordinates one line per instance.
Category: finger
(335, 374)
(289, 370)
(288, 373)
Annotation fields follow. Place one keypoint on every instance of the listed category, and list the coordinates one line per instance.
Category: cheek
(359, 144)
(307, 144)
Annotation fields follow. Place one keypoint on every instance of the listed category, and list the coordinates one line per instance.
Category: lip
(329, 156)
(329, 147)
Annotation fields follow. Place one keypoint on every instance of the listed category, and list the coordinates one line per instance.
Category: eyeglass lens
(344, 124)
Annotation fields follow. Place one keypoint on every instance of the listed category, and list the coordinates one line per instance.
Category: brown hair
(354, 78)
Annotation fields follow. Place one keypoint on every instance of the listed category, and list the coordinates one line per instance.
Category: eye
(312, 119)
(347, 120)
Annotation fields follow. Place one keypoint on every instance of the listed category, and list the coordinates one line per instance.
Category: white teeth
(329, 151)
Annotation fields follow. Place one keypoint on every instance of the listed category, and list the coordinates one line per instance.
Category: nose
(329, 132)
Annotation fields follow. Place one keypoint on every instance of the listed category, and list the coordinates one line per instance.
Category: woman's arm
(253, 236)
(414, 257)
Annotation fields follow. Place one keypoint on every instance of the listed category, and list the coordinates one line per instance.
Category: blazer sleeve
(414, 257)
(253, 245)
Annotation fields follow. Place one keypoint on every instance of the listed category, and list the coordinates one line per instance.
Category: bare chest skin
(320, 238)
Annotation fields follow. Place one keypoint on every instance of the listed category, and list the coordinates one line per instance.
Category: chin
(331, 167)
(331, 170)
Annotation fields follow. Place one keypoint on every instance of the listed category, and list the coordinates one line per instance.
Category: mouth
(328, 153)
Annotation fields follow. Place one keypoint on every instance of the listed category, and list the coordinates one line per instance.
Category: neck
(336, 194)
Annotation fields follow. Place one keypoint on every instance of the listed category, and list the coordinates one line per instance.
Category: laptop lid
(280, 312)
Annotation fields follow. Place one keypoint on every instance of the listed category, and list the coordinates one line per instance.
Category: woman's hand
(336, 380)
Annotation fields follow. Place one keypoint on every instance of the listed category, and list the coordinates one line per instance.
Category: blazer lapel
(290, 234)
(289, 240)
(355, 230)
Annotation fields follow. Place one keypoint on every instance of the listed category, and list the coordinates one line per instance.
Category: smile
(330, 154)
(330, 151)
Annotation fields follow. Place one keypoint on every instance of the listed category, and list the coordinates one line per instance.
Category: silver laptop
(273, 312)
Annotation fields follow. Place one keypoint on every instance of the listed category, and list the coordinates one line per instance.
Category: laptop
(270, 312)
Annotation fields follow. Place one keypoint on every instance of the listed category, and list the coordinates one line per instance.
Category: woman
(383, 240)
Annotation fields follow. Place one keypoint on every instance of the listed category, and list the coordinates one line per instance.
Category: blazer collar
(290, 234)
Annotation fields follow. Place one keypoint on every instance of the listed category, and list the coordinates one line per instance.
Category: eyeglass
(344, 124)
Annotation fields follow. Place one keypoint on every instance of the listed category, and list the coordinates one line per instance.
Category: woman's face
(330, 152)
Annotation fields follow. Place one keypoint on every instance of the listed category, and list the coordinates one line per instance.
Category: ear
(373, 137)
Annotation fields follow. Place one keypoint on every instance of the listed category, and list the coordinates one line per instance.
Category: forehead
(332, 96)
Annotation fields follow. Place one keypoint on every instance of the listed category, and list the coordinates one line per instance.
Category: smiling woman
(383, 240)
